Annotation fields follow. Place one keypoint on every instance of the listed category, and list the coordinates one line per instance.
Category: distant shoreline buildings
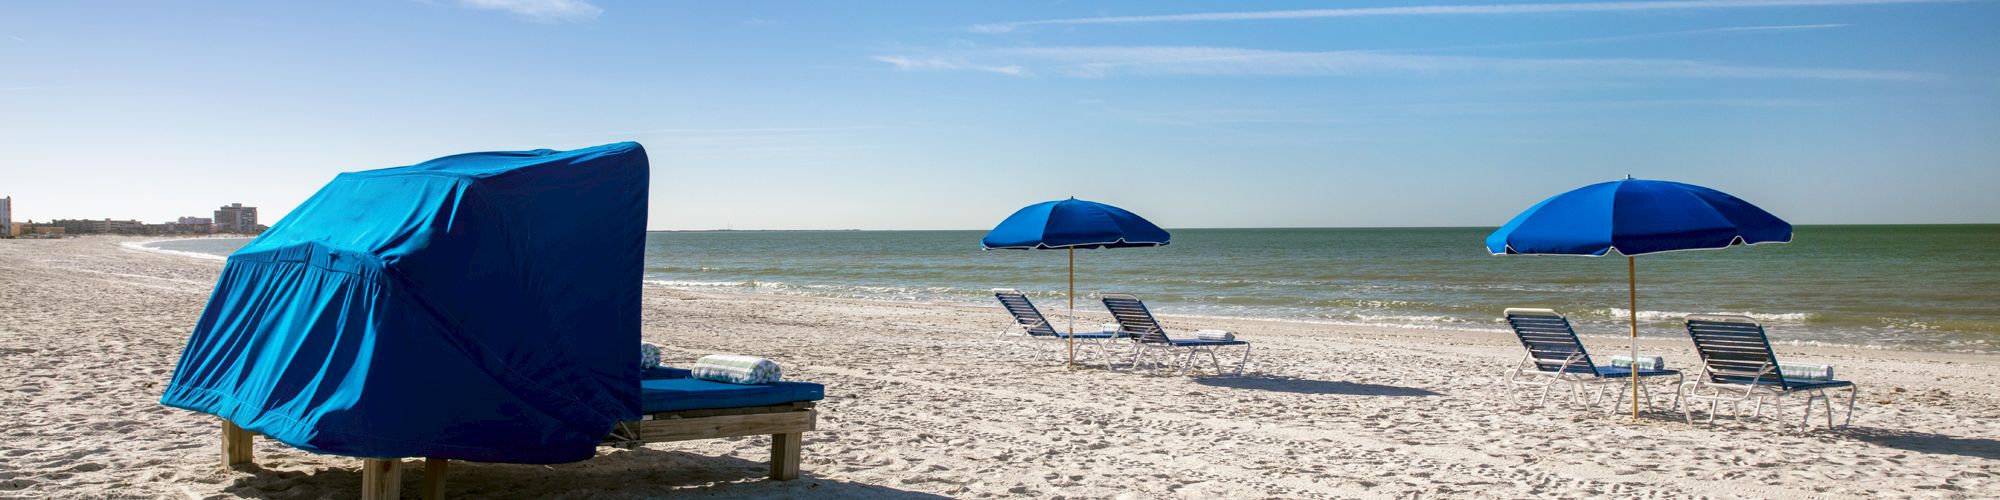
(233, 218)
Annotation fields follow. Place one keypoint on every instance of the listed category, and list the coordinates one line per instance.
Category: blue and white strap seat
(1557, 359)
(1738, 365)
(1149, 338)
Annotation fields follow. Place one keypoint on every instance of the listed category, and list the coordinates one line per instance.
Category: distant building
(106, 226)
(7, 218)
(236, 218)
(194, 225)
(33, 230)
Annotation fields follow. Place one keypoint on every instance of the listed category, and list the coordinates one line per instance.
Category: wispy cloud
(719, 133)
(549, 11)
(1441, 10)
(1098, 62)
(18, 39)
(1648, 36)
(943, 63)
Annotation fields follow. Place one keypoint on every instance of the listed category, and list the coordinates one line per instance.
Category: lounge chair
(1556, 357)
(1034, 325)
(1737, 365)
(676, 408)
(1148, 338)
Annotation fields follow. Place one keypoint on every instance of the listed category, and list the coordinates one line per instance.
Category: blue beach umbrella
(1636, 217)
(1068, 225)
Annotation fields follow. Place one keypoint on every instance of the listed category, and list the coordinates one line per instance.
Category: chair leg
(434, 472)
(785, 455)
(1853, 393)
(1687, 411)
(1616, 404)
(1680, 388)
(1245, 362)
(381, 479)
(237, 445)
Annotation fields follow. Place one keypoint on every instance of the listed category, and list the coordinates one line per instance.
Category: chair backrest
(1024, 312)
(1550, 340)
(1133, 318)
(1734, 350)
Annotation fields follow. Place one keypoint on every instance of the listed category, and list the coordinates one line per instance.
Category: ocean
(1921, 287)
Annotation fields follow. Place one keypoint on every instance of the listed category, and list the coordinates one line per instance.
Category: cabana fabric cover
(478, 307)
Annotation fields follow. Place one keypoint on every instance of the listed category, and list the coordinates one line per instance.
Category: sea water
(1927, 287)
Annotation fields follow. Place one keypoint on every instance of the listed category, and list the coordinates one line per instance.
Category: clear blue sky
(953, 114)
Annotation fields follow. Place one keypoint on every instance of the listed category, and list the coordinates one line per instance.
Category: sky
(951, 115)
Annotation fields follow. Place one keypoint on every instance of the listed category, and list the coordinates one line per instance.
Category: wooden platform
(786, 424)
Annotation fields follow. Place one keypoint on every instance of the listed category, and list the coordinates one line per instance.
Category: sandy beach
(929, 400)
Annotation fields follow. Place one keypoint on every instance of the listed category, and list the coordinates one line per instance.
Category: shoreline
(1583, 330)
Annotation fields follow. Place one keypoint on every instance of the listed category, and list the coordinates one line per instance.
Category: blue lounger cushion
(1623, 372)
(662, 373)
(1791, 383)
(1204, 343)
(1091, 335)
(695, 394)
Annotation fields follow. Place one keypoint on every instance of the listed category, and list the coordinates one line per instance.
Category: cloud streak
(1647, 36)
(548, 11)
(1102, 62)
(942, 63)
(1441, 10)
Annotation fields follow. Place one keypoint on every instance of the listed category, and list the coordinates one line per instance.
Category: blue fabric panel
(1807, 385)
(663, 373)
(1074, 223)
(1089, 335)
(1204, 343)
(1623, 372)
(697, 394)
(1636, 217)
(1791, 384)
(478, 307)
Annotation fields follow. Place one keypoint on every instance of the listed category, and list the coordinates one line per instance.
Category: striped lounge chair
(1738, 365)
(1149, 339)
(1034, 325)
(1556, 357)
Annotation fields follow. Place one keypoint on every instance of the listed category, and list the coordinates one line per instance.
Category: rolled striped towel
(1803, 371)
(1215, 335)
(1646, 362)
(649, 355)
(734, 369)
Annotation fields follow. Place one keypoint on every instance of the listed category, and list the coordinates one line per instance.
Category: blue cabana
(479, 307)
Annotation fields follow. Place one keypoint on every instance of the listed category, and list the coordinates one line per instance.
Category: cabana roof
(481, 307)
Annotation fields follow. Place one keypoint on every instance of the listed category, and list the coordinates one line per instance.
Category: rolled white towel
(735, 369)
(1646, 362)
(649, 355)
(1224, 335)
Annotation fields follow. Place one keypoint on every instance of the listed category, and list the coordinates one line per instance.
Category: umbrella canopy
(1068, 225)
(1073, 223)
(1636, 217)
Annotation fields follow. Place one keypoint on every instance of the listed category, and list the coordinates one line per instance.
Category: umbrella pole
(1632, 285)
(1071, 363)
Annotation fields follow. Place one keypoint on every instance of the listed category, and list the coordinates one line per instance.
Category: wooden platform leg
(236, 443)
(381, 479)
(785, 455)
(434, 471)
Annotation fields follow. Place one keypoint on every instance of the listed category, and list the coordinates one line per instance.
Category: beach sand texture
(927, 400)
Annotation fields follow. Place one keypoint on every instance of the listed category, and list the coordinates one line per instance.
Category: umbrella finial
(1628, 177)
